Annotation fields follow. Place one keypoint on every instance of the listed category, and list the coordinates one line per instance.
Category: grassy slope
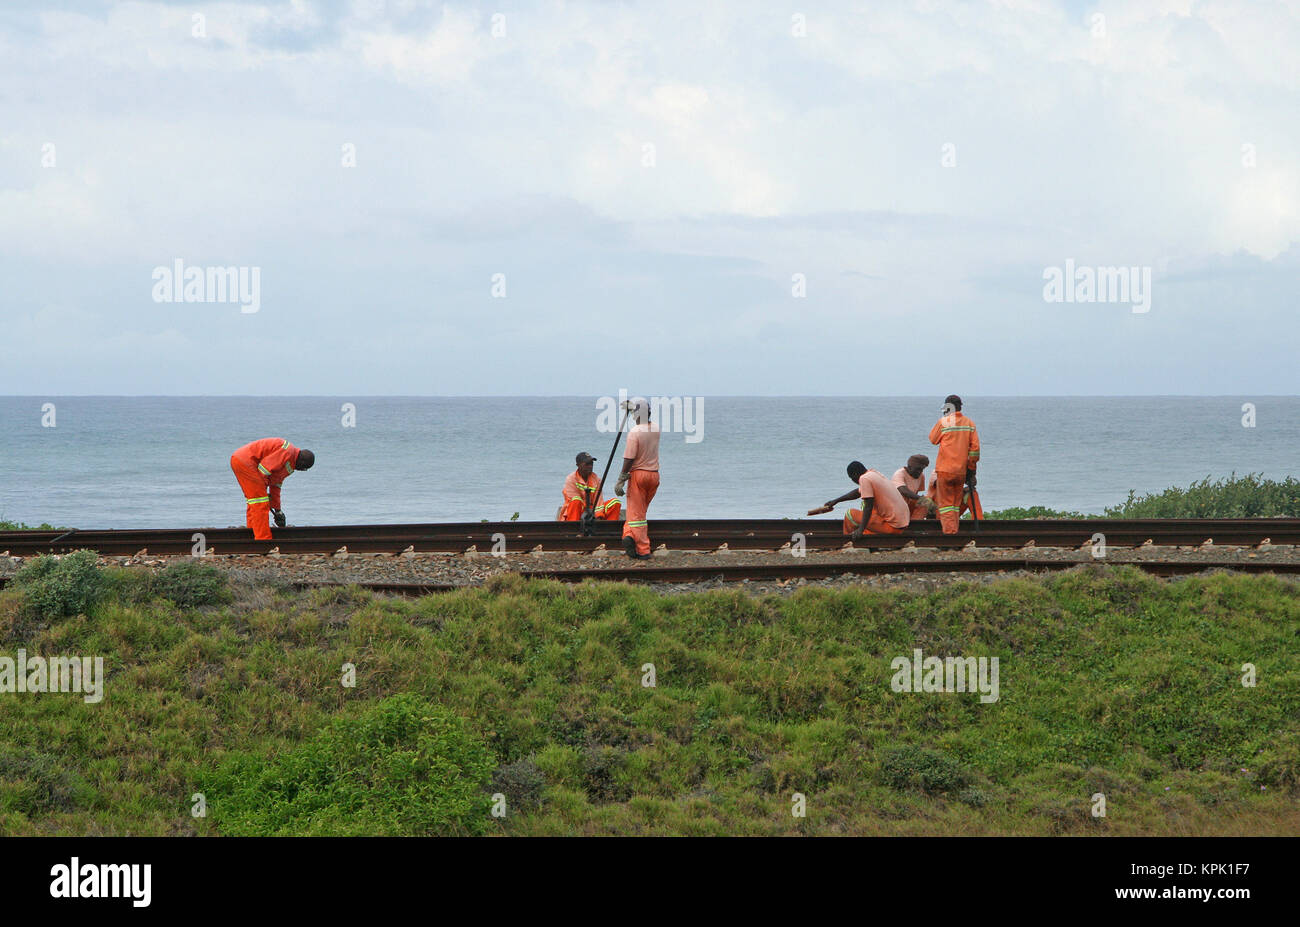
(1110, 681)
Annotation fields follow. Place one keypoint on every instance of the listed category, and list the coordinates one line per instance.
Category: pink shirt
(902, 478)
(643, 446)
(891, 505)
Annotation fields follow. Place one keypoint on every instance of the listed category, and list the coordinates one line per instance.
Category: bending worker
(580, 491)
(910, 481)
(260, 468)
(641, 469)
(884, 510)
(959, 452)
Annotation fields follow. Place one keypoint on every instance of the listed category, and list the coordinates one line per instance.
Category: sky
(676, 198)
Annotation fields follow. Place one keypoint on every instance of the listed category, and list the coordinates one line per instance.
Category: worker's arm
(275, 495)
(907, 493)
(936, 432)
(851, 494)
(867, 506)
(973, 452)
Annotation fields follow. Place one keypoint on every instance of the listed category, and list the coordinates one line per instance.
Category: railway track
(736, 534)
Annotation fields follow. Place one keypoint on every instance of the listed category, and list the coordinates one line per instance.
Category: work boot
(629, 546)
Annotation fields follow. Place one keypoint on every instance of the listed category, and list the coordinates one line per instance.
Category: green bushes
(190, 584)
(404, 767)
(60, 587)
(1249, 496)
(915, 767)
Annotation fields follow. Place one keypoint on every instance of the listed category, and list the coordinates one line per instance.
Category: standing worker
(910, 481)
(641, 470)
(959, 452)
(581, 490)
(260, 468)
(884, 510)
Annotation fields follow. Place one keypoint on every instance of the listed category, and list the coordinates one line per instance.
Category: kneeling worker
(884, 510)
(580, 491)
(260, 468)
(910, 481)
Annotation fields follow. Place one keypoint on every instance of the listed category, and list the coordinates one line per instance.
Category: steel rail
(736, 534)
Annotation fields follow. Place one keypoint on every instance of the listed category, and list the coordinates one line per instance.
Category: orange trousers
(948, 497)
(875, 524)
(641, 488)
(608, 511)
(256, 496)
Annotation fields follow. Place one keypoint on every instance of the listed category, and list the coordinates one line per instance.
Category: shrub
(1249, 496)
(404, 767)
(38, 783)
(59, 587)
(521, 783)
(190, 584)
(912, 767)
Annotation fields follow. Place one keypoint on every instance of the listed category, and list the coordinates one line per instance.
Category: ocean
(140, 462)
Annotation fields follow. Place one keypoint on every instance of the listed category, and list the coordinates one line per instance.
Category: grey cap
(583, 457)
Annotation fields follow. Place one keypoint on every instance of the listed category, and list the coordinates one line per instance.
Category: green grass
(1249, 496)
(1111, 682)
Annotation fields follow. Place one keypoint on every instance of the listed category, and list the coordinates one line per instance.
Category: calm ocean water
(128, 462)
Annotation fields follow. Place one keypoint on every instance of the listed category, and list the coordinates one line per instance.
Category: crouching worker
(884, 510)
(910, 481)
(580, 493)
(260, 468)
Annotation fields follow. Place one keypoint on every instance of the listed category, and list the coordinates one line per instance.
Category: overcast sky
(649, 179)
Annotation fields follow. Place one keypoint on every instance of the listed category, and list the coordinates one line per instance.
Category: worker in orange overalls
(641, 470)
(580, 491)
(260, 468)
(954, 468)
(884, 510)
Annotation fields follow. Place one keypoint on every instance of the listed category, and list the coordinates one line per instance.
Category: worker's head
(305, 460)
(640, 410)
(856, 469)
(584, 462)
(916, 465)
(951, 404)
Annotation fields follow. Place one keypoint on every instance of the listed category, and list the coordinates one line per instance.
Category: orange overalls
(576, 493)
(875, 524)
(959, 451)
(641, 488)
(260, 468)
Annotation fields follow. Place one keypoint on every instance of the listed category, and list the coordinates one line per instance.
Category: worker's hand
(970, 478)
(280, 520)
(820, 510)
(857, 533)
(928, 503)
(621, 486)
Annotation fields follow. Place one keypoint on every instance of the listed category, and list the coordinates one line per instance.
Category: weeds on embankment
(1111, 683)
(1249, 496)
